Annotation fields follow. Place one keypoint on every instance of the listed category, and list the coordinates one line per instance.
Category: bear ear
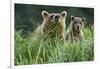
(45, 13)
(83, 19)
(64, 13)
(72, 17)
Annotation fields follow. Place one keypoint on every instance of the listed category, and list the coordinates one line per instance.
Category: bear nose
(57, 16)
(78, 27)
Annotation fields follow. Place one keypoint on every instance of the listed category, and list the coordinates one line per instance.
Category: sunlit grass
(53, 50)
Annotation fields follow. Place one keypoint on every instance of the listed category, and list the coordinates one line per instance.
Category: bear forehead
(78, 19)
(54, 14)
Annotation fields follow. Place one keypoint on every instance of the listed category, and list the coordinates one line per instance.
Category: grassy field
(53, 50)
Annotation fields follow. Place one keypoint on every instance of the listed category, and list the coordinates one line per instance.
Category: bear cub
(75, 31)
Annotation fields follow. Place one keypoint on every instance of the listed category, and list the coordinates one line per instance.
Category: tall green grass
(53, 50)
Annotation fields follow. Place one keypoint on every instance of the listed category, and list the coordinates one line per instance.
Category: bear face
(54, 17)
(54, 24)
(77, 23)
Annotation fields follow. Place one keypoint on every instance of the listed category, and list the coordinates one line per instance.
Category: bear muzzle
(57, 18)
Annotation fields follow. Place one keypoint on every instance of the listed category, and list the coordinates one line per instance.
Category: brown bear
(53, 25)
(75, 30)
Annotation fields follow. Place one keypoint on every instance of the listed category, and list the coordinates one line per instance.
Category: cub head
(54, 17)
(77, 23)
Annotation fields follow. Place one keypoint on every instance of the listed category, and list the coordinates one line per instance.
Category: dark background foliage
(28, 17)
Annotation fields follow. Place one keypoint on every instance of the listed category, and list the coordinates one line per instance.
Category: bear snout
(57, 18)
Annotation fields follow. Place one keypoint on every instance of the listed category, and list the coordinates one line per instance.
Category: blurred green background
(28, 16)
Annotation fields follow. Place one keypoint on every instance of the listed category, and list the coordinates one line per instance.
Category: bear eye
(52, 16)
(80, 22)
